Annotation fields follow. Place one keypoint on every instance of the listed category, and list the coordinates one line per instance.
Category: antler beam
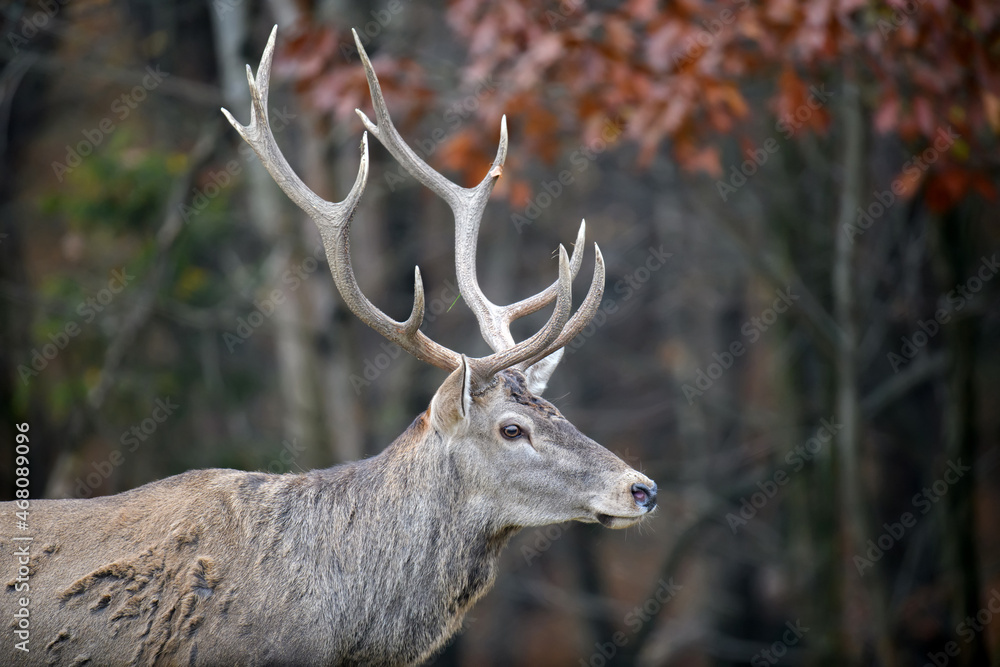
(467, 204)
(334, 222)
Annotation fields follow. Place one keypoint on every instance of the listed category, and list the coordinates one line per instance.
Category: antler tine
(336, 241)
(258, 135)
(583, 315)
(468, 205)
(387, 134)
(535, 303)
(334, 222)
(535, 346)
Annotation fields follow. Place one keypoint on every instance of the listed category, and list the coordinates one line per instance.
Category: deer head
(513, 451)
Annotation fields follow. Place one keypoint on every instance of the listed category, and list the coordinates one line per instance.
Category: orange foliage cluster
(324, 65)
(679, 72)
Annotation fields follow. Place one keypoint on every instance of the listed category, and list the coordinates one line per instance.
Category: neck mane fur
(428, 531)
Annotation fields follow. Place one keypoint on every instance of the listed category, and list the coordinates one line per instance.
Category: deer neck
(414, 493)
(393, 519)
(423, 483)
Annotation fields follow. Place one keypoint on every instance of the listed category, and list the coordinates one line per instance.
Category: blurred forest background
(800, 338)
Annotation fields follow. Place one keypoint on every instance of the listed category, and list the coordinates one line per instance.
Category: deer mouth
(616, 522)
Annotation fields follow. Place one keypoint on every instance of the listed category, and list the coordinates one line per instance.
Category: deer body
(208, 565)
(374, 562)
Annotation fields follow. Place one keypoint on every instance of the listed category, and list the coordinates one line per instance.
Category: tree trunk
(295, 355)
(962, 561)
(854, 507)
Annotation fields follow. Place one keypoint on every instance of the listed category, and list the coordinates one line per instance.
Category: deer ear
(453, 399)
(538, 373)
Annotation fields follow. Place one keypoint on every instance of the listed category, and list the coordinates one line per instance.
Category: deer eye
(511, 431)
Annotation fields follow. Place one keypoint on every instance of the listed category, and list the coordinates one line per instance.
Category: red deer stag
(371, 562)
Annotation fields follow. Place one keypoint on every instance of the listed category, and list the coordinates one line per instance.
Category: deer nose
(645, 496)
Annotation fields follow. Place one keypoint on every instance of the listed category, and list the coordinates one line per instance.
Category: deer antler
(468, 205)
(334, 222)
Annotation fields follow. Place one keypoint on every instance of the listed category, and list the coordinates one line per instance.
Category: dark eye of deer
(511, 431)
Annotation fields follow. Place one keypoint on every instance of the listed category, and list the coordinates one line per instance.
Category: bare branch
(141, 309)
